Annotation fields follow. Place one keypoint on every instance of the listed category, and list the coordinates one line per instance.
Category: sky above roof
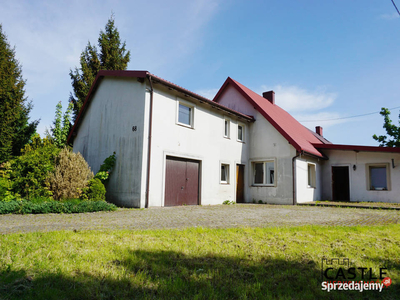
(324, 59)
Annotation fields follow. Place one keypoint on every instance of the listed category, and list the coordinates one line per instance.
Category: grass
(196, 263)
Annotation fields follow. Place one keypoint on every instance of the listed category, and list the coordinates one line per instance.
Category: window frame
(228, 134)
(243, 132)
(227, 173)
(192, 108)
(264, 162)
(368, 176)
(311, 176)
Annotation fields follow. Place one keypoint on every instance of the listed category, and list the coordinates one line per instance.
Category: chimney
(270, 96)
(318, 130)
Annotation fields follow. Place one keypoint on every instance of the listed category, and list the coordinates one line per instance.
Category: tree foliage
(392, 137)
(15, 129)
(30, 170)
(112, 55)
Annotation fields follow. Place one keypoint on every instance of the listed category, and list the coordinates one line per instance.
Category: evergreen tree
(15, 130)
(112, 56)
(392, 131)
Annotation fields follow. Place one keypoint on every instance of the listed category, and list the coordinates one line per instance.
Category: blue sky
(323, 59)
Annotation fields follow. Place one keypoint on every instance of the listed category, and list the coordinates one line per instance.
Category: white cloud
(209, 94)
(293, 98)
(324, 119)
(391, 16)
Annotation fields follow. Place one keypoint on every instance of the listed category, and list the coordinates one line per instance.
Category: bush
(70, 176)
(67, 207)
(105, 168)
(95, 191)
(28, 172)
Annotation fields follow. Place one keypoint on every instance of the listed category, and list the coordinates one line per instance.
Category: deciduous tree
(392, 137)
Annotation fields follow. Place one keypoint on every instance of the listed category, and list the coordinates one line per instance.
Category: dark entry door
(239, 183)
(181, 182)
(340, 184)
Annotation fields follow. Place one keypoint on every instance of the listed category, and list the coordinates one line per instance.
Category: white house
(175, 147)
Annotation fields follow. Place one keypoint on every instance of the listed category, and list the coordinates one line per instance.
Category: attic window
(226, 128)
(240, 133)
(185, 114)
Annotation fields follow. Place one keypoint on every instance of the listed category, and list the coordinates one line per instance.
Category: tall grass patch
(196, 263)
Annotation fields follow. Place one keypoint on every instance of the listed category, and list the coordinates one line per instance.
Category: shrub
(95, 191)
(29, 171)
(70, 176)
(105, 168)
(67, 207)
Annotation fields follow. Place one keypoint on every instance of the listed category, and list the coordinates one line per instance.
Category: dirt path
(218, 216)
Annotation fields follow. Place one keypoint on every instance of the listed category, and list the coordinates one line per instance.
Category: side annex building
(175, 147)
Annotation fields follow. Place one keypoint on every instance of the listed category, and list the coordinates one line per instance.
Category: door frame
(332, 182)
(166, 154)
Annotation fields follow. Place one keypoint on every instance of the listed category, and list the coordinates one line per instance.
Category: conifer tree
(15, 129)
(112, 55)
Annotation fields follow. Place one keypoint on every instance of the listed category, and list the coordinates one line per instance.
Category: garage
(181, 181)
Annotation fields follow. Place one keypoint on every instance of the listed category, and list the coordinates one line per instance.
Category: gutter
(298, 154)
(149, 142)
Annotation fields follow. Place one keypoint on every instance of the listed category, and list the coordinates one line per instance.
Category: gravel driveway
(217, 216)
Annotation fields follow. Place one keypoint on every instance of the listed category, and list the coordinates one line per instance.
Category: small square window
(224, 173)
(240, 135)
(185, 115)
(264, 173)
(226, 128)
(311, 175)
(377, 178)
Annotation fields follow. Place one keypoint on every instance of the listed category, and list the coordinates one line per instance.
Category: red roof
(299, 136)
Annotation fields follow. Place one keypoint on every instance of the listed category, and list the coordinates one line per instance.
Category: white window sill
(185, 125)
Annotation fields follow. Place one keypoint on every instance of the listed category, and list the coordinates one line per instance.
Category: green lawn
(197, 263)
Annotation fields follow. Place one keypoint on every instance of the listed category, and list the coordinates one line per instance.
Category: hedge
(66, 207)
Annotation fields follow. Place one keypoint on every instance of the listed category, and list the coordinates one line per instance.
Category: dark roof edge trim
(357, 148)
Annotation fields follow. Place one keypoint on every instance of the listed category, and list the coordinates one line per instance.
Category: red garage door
(181, 182)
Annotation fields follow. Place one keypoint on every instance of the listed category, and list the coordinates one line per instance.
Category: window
(224, 173)
(378, 175)
(240, 133)
(311, 175)
(226, 128)
(185, 115)
(264, 173)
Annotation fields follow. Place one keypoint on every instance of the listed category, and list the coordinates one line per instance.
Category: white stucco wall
(117, 105)
(358, 177)
(304, 192)
(266, 143)
(205, 142)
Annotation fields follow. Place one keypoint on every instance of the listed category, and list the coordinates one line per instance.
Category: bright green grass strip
(196, 263)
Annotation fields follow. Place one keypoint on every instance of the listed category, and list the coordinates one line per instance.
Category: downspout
(298, 153)
(149, 143)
